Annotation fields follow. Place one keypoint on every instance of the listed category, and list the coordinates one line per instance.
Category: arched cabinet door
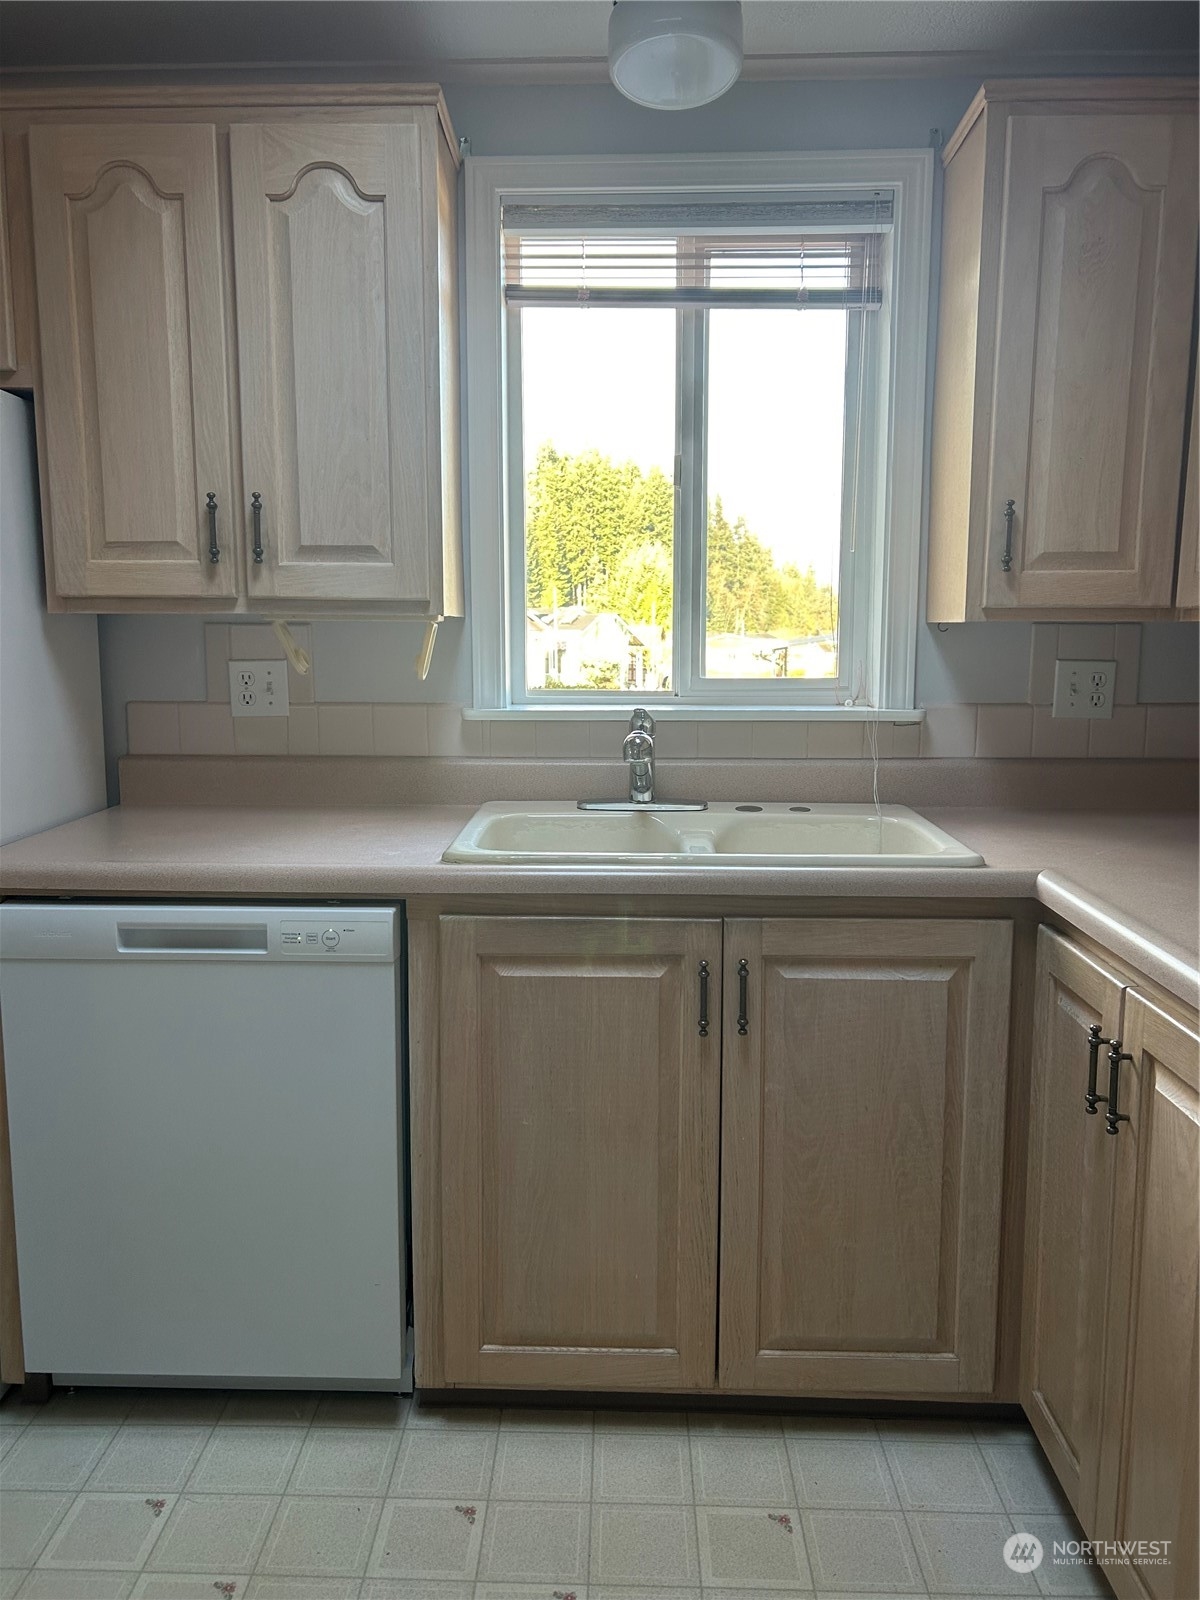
(1096, 274)
(338, 360)
(136, 413)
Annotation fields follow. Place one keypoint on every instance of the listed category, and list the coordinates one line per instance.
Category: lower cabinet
(1150, 1463)
(580, 1098)
(862, 1147)
(1069, 1216)
(833, 1089)
(1110, 1343)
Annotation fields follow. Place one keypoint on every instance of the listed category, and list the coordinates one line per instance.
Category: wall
(987, 683)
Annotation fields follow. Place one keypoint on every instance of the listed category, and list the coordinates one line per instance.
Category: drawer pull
(1112, 1117)
(703, 1018)
(256, 520)
(743, 1021)
(1091, 1099)
(214, 549)
(1010, 511)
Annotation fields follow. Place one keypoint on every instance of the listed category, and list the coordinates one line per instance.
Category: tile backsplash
(316, 726)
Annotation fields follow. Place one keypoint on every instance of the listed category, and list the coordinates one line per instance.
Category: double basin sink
(725, 833)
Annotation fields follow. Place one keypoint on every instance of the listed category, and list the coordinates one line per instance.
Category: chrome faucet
(638, 751)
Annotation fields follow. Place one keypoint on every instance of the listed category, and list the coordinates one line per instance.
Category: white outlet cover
(258, 688)
(1084, 688)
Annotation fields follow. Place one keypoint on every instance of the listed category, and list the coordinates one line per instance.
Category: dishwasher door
(205, 1119)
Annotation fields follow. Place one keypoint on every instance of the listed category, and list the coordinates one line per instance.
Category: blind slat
(693, 255)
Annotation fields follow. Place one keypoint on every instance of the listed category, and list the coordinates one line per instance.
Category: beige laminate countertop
(1129, 881)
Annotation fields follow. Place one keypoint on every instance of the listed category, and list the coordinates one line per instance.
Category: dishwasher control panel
(334, 935)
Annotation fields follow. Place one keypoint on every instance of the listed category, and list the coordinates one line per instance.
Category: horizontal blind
(823, 253)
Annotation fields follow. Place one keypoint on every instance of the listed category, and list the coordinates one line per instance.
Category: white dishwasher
(205, 1113)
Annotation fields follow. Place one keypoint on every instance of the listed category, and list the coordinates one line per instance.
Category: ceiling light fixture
(672, 57)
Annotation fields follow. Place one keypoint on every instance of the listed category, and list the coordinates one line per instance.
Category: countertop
(1129, 881)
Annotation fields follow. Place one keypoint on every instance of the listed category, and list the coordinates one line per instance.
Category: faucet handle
(641, 721)
(638, 746)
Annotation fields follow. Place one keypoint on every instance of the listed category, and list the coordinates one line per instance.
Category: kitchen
(599, 956)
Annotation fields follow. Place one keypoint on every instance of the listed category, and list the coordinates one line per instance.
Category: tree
(600, 533)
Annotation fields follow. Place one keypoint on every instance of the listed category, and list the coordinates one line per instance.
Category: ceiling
(564, 40)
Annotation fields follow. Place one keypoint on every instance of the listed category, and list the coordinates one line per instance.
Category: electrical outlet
(258, 688)
(1084, 688)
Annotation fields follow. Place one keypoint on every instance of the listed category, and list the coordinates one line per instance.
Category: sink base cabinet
(598, 1106)
(862, 1151)
(579, 1109)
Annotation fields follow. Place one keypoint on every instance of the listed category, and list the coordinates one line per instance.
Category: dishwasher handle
(140, 938)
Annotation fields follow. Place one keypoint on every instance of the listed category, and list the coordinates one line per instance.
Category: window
(694, 434)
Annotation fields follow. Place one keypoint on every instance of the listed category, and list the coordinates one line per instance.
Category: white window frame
(897, 418)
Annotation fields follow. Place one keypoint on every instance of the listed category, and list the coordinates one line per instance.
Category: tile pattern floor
(109, 1494)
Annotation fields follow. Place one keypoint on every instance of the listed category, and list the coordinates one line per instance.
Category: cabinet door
(332, 331)
(1098, 254)
(1187, 587)
(861, 1149)
(135, 379)
(1068, 1219)
(1150, 1482)
(579, 1152)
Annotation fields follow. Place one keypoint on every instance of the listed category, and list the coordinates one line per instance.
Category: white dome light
(672, 57)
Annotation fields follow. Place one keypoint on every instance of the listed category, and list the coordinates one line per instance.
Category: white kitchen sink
(727, 834)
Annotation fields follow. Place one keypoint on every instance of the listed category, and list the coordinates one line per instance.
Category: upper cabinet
(337, 271)
(247, 386)
(1068, 275)
(135, 403)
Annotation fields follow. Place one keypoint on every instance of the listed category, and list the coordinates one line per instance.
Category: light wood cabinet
(336, 237)
(1187, 591)
(579, 1107)
(8, 333)
(1069, 1216)
(134, 389)
(1150, 1474)
(1111, 1339)
(580, 1087)
(862, 1143)
(1069, 250)
(319, 412)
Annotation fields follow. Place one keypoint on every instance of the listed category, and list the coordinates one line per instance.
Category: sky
(604, 379)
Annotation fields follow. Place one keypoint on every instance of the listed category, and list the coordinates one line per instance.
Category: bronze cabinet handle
(1091, 1099)
(743, 1021)
(214, 549)
(1112, 1117)
(702, 1021)
(1010, 511)
(256, 520)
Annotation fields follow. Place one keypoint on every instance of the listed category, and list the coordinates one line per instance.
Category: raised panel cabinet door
(1096, 276)
(1068, 1219)
(862, 1138)
(580, 1095)
(1150, 1477)
(328, 228)
(135, 402)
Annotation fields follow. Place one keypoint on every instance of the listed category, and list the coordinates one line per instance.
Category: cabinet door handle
(214, 549)
(743, 972)
(1091, 1099)
(1112, 1117)
(702, 1021)
(256, 520)
(1010, 511)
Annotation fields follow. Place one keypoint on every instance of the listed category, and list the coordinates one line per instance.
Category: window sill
(690, 713)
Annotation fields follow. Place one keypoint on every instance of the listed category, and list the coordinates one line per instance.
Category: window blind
(809, 254)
